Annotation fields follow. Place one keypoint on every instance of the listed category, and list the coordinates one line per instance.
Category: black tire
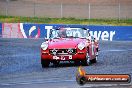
(45, 63)
(85, 63)
(94, 60)
(77, 62)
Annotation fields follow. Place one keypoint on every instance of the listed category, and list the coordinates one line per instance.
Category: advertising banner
(0, 30)
(29, 30)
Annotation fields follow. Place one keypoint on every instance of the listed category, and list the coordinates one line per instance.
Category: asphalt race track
(20, 65)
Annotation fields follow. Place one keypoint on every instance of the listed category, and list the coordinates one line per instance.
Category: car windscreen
(69, 33)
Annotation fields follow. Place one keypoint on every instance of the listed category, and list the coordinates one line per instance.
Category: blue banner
(0, 29)
(107, 33)
(112, 32)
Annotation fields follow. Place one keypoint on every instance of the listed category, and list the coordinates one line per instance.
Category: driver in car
(62, 33)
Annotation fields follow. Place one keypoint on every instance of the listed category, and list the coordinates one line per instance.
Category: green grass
(45, 20)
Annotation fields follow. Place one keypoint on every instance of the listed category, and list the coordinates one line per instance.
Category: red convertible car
(69, 44)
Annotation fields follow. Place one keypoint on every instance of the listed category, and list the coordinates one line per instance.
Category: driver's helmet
(62, 33)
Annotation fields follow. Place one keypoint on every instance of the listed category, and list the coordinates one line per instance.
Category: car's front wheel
(56, 63)
(77, 62)
(45, 63)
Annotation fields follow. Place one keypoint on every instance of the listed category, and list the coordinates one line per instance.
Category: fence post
(89, 12)
(7, 2)
(34, 9)
(61, 10)
(119, 11)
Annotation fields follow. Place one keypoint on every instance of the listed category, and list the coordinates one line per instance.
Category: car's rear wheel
(45, 63)
(95, 60)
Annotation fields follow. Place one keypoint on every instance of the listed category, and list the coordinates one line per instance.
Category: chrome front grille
(62, 51)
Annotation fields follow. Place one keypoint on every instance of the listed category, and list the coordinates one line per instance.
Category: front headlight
(44, 46)
(81, 46)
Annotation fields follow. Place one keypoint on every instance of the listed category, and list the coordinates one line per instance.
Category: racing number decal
(62, 57)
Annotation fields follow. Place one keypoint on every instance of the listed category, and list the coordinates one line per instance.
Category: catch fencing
(59, 10)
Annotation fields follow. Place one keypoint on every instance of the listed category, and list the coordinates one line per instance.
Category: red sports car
(69, 44)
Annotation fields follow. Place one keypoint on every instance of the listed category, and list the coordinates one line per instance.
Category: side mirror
(92, 38)
(46, 39)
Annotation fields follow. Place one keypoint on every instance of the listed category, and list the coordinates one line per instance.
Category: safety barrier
(29, 30)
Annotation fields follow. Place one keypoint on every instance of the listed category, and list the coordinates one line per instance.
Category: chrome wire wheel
(87, 61)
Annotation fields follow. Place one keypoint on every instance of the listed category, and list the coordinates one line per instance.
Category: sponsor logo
(103, 35)
(24, 30)
(30, 32)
